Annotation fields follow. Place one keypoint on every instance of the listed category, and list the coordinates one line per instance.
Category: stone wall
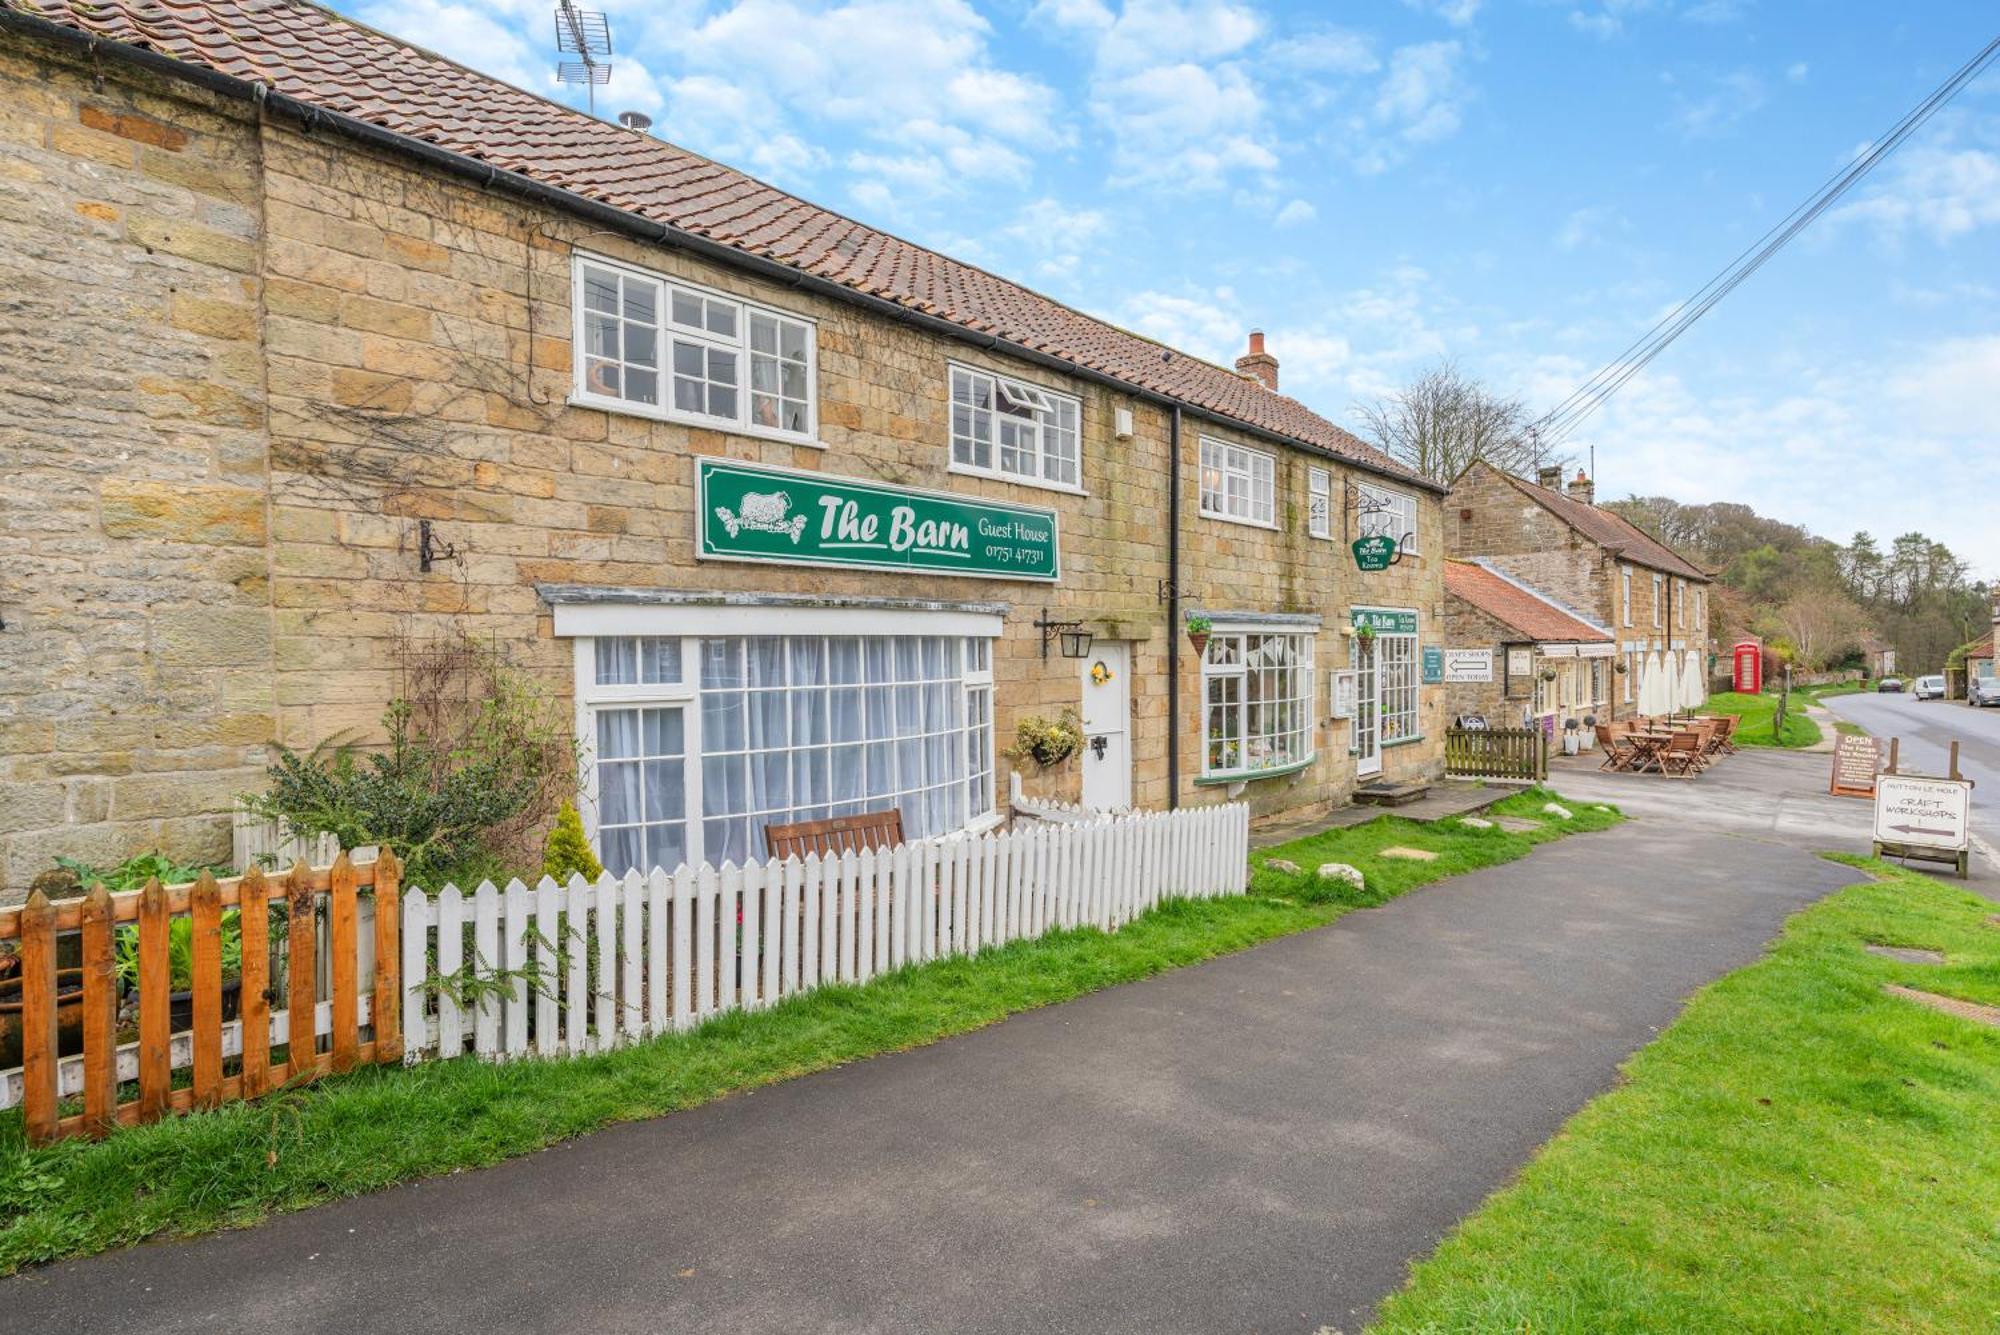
(263, 359)
(135, 559)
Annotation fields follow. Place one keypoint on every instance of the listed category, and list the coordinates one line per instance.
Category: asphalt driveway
(1261, 1143)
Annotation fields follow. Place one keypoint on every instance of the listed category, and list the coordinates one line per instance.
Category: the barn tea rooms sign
(751, 513)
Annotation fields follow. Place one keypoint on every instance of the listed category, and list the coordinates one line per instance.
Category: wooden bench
(841, 834)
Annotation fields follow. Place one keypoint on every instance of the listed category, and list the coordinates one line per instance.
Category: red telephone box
(1747, 668)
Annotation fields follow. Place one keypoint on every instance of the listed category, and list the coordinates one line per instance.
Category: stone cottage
(1515, 657)
(1558, 541)
(316, 340)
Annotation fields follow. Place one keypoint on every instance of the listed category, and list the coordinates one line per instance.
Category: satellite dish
(635, 120)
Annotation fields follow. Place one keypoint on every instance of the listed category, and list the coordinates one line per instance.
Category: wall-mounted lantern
(1075, 639)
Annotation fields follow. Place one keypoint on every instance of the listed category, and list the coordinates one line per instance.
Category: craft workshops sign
(751, 513)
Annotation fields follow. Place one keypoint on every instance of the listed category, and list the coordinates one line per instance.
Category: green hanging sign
(751, 513)
(1375, 553)
(1384, 622)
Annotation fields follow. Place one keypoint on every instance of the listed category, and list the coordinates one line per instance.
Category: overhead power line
(1588, 397)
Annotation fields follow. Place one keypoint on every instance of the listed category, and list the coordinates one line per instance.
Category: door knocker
(1097, 745)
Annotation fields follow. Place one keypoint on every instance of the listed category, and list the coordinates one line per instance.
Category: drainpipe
(1174, 611)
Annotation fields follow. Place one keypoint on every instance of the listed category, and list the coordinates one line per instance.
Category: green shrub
(567, 850)
(477, 756)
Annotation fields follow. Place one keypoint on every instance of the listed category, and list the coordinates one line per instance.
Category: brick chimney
(1583, 489)
(1550, 476)
(1258, 364)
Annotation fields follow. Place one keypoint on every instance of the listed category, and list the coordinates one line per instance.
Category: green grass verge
(1759, 712)
(384, 1125)
(1800, 1151)
(1836, 688)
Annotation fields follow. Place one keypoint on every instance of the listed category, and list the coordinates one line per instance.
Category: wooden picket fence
(96, 1074)
(551, 969)
(1496, 753)
(558, 969)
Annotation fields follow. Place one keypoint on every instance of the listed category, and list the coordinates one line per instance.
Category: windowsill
(1251, 775)
(996, 475)
(1271, 527)
(651, 414)
(1403, 741)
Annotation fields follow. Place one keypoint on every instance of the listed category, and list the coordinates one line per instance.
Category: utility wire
(1591, 395)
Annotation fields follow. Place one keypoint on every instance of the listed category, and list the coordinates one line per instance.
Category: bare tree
(1822, 624)
(1444, 420)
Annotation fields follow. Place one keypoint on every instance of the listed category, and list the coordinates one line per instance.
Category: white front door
(1367, 709)
(1107, 715)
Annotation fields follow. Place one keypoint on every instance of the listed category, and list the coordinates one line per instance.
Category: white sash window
(1257, 693)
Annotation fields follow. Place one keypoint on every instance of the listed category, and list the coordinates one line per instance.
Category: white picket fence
(564, 969)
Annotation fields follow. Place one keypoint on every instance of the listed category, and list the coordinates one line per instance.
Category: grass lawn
(384, 1125)
(1836, 688)
(1758, 712)
(1799, 1152)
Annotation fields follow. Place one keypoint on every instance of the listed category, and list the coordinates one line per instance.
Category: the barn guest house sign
(752, 513)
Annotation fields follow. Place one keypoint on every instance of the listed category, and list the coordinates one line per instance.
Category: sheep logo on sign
(762, 512)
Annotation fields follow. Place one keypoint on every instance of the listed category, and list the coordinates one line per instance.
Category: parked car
(1892, 684)
(1928, 688)
(1982, 691)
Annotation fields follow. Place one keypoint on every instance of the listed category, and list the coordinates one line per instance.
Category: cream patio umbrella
(1693, 686)
(1652, 686)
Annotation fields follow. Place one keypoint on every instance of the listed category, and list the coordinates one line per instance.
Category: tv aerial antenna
(585, 36)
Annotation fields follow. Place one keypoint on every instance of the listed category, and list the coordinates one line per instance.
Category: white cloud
(1296, 213)
(1149, 33)
(1206, 324)
(1458, 13)
(1185, 124)
(1942, 191)
(1726, 100)
(481, 35)
(1950, 391)
(1420, 96)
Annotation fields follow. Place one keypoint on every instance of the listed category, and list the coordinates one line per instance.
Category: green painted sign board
(1375, 553)
(1386, 622)
(1433, 664)
(746, 512)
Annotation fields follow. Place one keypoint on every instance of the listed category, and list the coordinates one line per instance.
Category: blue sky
(1522, 186)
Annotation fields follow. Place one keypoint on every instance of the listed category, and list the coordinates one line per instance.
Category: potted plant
(1048, 742)
(1198, 628)
(1365, 633)
(1618, 666)
(1548, 674)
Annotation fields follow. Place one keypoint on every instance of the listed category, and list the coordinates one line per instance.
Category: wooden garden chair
(841, 834)
(1619, 753)
(1681, 756)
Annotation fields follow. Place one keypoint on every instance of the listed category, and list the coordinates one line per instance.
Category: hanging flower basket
(1618, 666)
(1364, 633)
(1198, 628)
(1548, 674)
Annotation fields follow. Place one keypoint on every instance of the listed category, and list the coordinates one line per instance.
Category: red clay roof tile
(1509, 603)
(322, 58)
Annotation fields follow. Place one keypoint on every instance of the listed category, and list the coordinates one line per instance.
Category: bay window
(693, 744)
(1257, 701)
(1012, 429)
(1238, 483)
(661, 347)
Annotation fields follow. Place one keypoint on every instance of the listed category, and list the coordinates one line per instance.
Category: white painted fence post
(450, 959)
(632, 925)
(419, 1034)
(809, 922)
(548, 997)
(707, 891)
(576, 987)
(684, 947)
(789, 912)
(514, 948)
(659, 960)
(606, 938)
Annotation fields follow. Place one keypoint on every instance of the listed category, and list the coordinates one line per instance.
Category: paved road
(1261, 1143)
(1927, 729)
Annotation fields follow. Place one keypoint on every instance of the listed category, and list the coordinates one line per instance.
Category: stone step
(1386, 794)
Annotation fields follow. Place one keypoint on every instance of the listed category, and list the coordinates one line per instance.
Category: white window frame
(1228, 461)
(1398, 520)
(665, 332)
(585, 625)
(1680, 604)
(1625, 585)
(1049, 407)
(1659, 610)
(1302, 698)
(1319, 502)
(1408, 653)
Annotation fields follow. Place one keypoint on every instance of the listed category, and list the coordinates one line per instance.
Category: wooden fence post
(205, 908)
(100, 1012)
(342, 908)
(155, 1002)
(387, 1015)
(38, 1018)
(253, 918)
(301, 955)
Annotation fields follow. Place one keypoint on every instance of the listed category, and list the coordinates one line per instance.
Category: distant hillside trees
(1820, 599)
